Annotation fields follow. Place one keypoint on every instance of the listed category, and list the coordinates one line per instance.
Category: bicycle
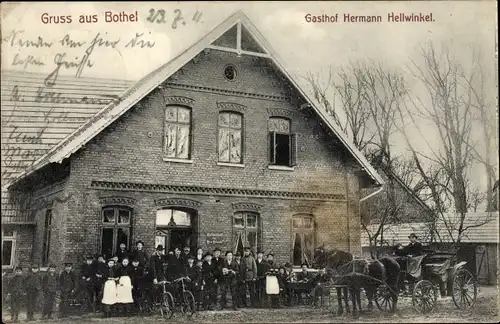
(164, 302)
(188, 304)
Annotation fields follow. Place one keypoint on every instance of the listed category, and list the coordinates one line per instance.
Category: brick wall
(130, 150)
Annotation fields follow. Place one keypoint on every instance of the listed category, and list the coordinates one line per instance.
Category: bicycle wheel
(189, 305)
(167, 305)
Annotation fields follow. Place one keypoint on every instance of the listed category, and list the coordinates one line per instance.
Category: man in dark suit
(156, 265)
(217, 260)
(122, 252)
(49, 286)
(415, 248)
(176, 268)
(33, 288)
(208, 270)
(260, 284)
(186, 254)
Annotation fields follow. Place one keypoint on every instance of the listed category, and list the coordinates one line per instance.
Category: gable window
(8, 247)
(230, 137)
(303, 232)
(246, 231)
(177, 132)
(116, 226)
(282, 143)
(46, 237)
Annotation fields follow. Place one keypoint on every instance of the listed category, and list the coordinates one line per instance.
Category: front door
(180, 238)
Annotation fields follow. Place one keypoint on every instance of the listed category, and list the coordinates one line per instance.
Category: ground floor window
(8, 247)
(175, 228)
(303, 236)
(246, 232)
(116, 229)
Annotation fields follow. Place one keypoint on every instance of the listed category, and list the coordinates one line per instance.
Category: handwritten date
(159, 17)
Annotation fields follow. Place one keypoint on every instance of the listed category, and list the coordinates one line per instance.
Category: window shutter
(272, 147)
(293, 149)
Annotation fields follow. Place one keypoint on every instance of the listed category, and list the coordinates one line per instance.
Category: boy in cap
(137, 277)
(100, 269)
(88, 277)
(249, 275)
(33, 288)
(49, 286)
(16, 291)
(200, 297)
(68, 284)
(194, 274)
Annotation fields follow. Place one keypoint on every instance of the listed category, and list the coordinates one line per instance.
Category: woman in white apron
(124, 287)
(272, 288)
(109, 293)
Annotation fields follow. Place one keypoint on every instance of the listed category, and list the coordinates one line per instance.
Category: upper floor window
(282, 143)
(230, 137)
(116, 226)
(246, 231)
(177, 132)
(8, 247)
(303, 232)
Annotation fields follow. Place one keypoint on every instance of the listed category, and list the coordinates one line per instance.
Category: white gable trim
(142, 88)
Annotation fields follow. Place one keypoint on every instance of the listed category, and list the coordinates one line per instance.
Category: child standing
(49, 286)
(16, 290)
(109, 295)
(67, 283)
(33, 288)
(137, 277)
(124, 287)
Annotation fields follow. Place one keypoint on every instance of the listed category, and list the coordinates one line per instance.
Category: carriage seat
(414, 266)
(439, 268)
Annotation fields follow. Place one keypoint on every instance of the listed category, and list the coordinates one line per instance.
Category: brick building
(220, 147)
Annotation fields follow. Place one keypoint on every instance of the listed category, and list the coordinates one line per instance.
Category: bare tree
(370, 96)
(448, 106)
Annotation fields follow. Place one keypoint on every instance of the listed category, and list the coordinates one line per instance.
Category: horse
(357, 274)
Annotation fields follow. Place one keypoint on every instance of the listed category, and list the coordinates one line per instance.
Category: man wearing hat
(49, 286)
(238, 284)
(67, 283)
(33, 288)
(16, 290)
(208, 271)
(186, 254)
(156, 264)
(414, 248)
(249, 275)
(218, 261)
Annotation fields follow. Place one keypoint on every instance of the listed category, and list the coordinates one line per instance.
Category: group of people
(121, 281)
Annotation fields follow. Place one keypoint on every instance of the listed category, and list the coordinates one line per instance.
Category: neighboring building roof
(488, 232)
(44, 123)
(115, 109)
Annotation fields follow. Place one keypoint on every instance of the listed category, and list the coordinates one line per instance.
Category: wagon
(422, 277)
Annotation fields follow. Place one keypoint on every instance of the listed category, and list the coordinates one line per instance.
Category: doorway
(180, 238)
(176, 227)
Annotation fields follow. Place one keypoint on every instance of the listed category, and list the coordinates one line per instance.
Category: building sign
(215, 239)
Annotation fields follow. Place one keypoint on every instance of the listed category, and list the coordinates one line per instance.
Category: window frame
(47, 236)
(116, 226)
(302, 231)
(11, 238)
(292, 144)
(242, 137)
(243, 231)
(177, 123)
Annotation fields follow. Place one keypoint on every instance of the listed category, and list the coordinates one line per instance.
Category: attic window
(230, 72)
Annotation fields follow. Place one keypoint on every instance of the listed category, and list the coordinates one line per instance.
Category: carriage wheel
(384, 299)
(189, 306)
(167, 305)
(424, 296)
(464, 289)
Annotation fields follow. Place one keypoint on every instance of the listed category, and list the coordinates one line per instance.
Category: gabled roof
(142, 88)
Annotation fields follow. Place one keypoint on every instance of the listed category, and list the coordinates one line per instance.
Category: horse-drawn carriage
(423, 276)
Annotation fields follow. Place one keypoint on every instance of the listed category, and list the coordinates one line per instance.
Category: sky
(304, 47)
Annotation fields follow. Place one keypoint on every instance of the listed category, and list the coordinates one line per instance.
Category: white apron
(109, 294)
(124, 291)
(272, 285)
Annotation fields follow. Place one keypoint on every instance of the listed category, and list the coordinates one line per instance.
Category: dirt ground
(485, 311)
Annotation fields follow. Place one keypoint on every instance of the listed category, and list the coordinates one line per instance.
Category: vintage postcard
(257, 162)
